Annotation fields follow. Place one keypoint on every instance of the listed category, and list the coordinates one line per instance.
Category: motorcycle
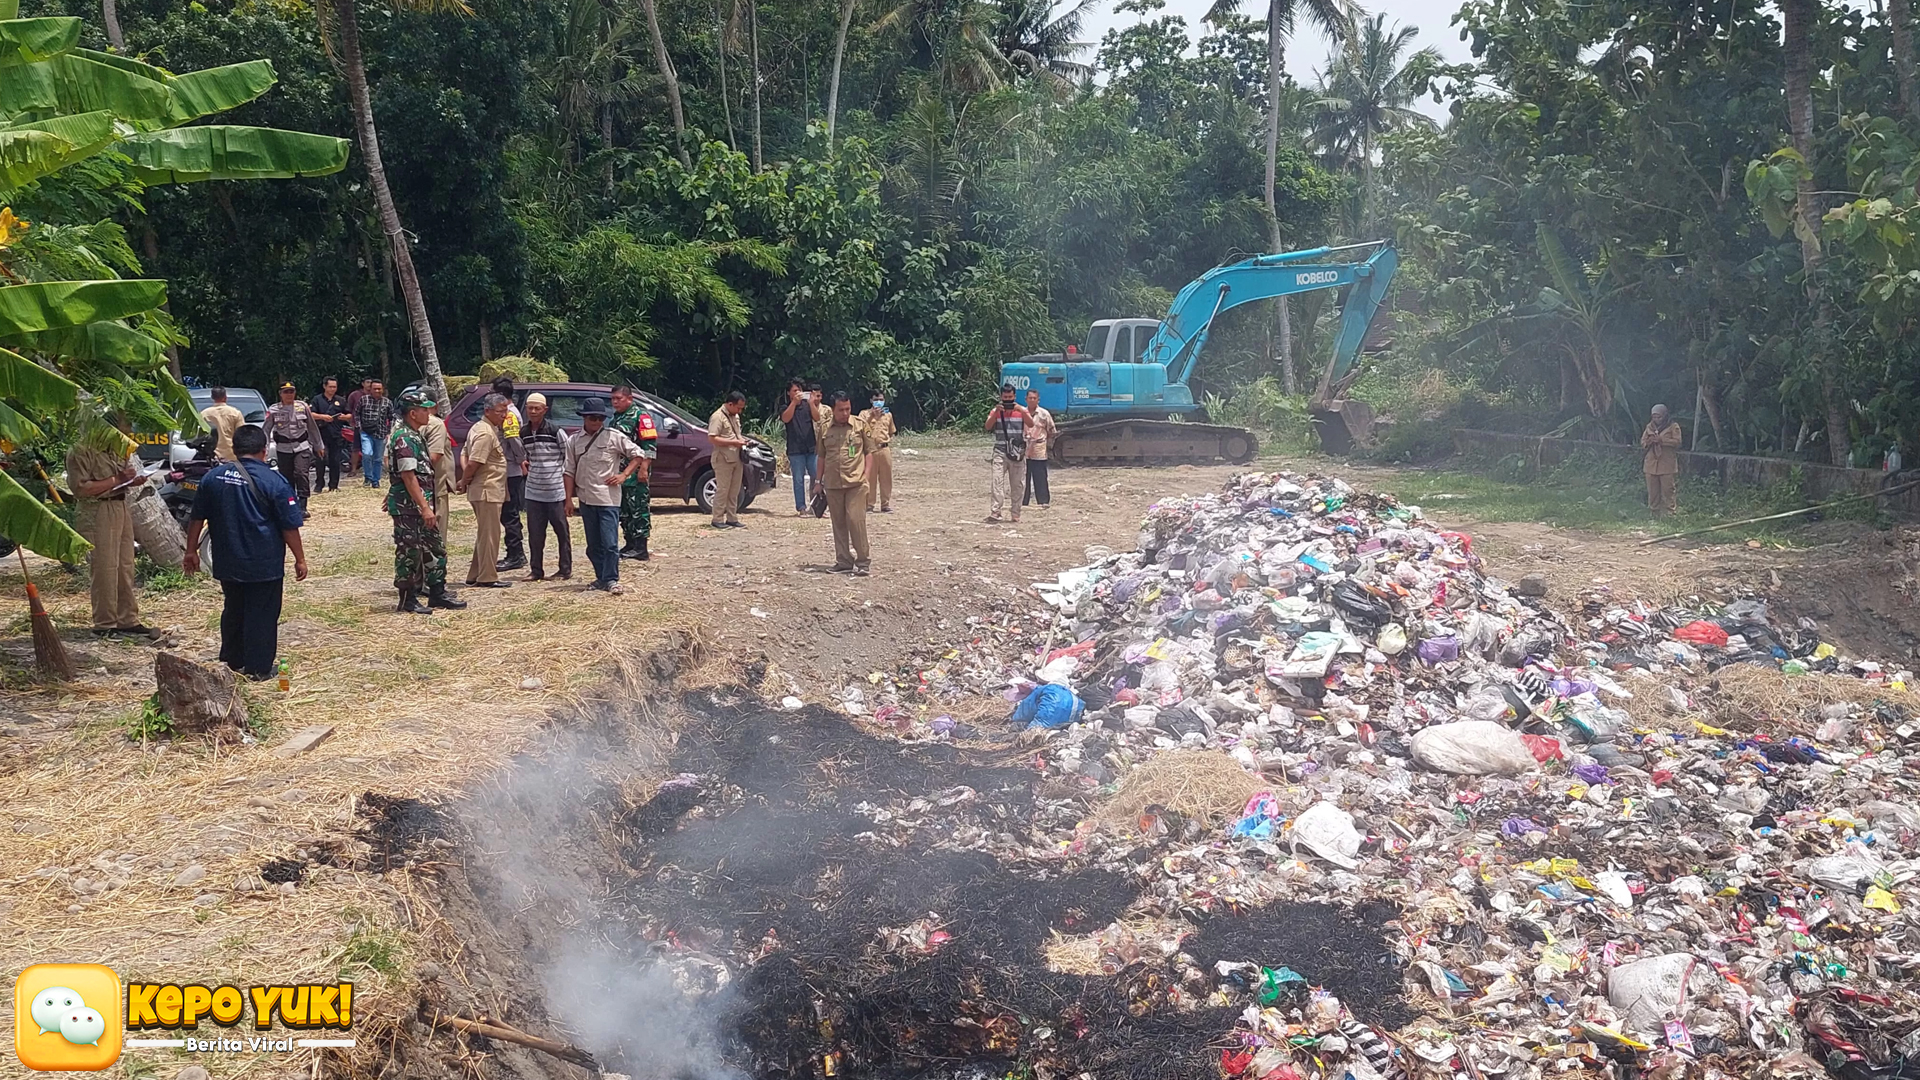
(181, 483)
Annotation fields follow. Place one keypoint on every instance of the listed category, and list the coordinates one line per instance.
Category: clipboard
(138, 479)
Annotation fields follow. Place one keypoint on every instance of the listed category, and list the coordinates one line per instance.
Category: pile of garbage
(1590, 877)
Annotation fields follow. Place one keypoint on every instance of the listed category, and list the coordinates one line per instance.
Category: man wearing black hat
(419, 552)
(599, 461)
(296, 436)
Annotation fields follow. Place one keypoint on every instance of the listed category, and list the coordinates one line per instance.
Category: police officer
(636, 495)
(419, 552)
(296, 439)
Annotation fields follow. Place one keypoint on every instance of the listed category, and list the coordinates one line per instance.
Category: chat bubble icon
(51, 1005)
(82, 1027)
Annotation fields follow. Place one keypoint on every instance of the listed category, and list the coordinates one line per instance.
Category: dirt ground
(148, 856)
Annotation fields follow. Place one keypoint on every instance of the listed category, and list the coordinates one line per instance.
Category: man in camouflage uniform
(636, 495)
(419, 551)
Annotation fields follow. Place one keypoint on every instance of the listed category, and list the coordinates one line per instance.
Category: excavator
(1124, 397)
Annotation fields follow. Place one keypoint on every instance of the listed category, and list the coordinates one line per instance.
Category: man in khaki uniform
(223, 419)
(440, 453)
(1662, 465)
(484, 482)
(723, 427)
(844, 443)
(97, 466)
(880, 429)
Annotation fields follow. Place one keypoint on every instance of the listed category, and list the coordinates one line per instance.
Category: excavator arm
(1183, 334)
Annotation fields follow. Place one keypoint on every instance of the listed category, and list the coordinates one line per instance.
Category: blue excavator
(1124, 399)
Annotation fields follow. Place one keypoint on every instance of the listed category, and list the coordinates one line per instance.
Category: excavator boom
(1130, 404)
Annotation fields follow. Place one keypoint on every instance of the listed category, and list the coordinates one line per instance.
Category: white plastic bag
(1471, 748)
(1652, 991)
(1327, 831)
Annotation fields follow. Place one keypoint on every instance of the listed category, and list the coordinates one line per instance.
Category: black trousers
(326, 474)
(297, 468)
(250, 626)
(1037, 482)
(540, 515)
(510, 518)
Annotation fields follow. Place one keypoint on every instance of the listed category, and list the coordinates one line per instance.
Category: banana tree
(72, 345)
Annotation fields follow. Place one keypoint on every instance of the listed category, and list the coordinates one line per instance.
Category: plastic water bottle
(286, 676)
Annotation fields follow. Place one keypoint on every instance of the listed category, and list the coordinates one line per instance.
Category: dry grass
(1080, 954)
(1749, 697)
(420, 707)
(1202, 785)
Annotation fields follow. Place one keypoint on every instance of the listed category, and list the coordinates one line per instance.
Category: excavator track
(1149, 442)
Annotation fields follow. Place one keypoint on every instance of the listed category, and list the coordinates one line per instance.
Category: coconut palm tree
(1367, 93)
(1034, 37)
(346, 30)
(669, 77)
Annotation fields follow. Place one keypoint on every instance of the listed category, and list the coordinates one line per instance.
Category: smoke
(550, 845)
(648, 1018)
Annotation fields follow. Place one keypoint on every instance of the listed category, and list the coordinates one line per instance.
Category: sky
(1308, 50)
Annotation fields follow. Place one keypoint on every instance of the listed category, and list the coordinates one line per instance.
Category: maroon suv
(684, 468)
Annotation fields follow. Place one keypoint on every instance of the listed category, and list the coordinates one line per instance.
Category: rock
(206, 900)
(249, 883)
(532, 682)
(428, 970)
(191, 1072)
(1533, 585)
(199, 699)
(304, 740)
(192, 875)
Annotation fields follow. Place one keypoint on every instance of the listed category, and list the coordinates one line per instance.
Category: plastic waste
(1049, 706)
(1472, 748)
(1329, 832)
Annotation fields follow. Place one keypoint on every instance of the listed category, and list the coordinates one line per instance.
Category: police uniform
(296, 436)
(636, 495)
(880, 431)
(419, 553)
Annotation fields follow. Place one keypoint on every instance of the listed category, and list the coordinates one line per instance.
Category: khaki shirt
(440, 449)
(843, 450)
(1039, 434)
(879, 427)
(593, 455)
(1663, 449)
(725, 425)
(484, 446)
(224, 420)
(87, 466)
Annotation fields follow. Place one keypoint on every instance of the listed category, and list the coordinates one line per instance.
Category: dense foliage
(981, 196)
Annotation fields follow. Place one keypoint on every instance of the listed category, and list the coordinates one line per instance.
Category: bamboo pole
(1895, 490)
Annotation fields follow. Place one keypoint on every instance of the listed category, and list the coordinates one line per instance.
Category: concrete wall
(1818, 483)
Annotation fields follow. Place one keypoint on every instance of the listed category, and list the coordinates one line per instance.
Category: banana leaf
(227, 152)
(75, 84)
(15, 428)
(32, 150)
(29, 386)
(29, 41)
(113, 342)
(203, 93)
(28, 522)
(27, 309)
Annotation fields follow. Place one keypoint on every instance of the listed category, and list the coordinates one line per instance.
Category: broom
(49, 655)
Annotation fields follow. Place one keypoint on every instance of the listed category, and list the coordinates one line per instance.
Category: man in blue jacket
(255, 517)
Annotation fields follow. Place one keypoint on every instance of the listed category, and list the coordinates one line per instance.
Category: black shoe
(410, 603)
(631, 553)
(736, 525)
(643, 556)
(510, 563)
(489, 584)
(441, 598)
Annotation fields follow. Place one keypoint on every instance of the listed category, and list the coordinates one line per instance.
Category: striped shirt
(546, 461)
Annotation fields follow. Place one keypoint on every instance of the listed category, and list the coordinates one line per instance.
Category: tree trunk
(486, 342)
(753, 34)
(1276, 62)
(150, 246)
(606, 147)
(397, 246)
(665, 63)
(110, 14)
(1900, 19)
(726, 100)
(1797, 17)
(839, 52)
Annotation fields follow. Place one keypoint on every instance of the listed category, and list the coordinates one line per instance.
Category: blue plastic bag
(1049, 706)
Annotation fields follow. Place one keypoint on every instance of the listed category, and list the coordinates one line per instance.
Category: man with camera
(1008, 425)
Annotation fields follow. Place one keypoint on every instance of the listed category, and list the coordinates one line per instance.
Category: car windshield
(251, 405)
(660, 408)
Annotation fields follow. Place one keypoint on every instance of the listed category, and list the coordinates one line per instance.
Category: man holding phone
(880, 429)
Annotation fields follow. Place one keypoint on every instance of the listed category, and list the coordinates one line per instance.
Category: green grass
(157, 579)
(149, 721)
(1589, 492)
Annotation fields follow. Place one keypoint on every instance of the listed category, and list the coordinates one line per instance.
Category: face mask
(878, 404)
